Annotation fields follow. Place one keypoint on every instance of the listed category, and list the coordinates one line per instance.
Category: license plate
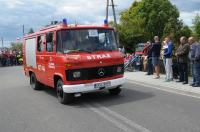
(102, 85)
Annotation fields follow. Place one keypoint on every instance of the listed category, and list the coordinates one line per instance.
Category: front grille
(95, 73)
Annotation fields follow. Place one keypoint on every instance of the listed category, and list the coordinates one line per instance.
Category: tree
(16, 46)
(132, 33)
(30, 31)
(196, 23)
(186, 31)
(111, 24)
(147, 18)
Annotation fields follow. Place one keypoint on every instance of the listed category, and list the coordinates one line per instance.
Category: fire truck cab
(73, 59)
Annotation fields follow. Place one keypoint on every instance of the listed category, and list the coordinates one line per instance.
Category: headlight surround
(76, 74)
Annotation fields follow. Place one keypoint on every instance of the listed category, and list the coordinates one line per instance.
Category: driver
(68, 42)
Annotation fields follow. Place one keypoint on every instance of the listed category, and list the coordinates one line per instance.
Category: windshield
(87, 40)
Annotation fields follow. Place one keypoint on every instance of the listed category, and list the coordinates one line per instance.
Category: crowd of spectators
(176, 63)
(10, 58)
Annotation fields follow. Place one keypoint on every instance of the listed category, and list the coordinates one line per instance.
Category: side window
(40, 43)
(59, 47)
(49, 42)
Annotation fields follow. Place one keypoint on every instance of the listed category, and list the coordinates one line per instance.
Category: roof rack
(48, 27)
(53, 24)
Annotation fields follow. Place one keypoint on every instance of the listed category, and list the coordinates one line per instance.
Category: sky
(38, 13)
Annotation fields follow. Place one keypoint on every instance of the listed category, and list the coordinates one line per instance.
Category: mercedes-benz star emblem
(101, 72)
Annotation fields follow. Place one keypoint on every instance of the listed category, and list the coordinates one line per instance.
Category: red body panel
(51, 64)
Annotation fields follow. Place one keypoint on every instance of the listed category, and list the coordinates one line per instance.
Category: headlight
(119, 69)
(77, 74)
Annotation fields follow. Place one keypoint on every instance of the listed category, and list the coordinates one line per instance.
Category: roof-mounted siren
(64, 22)
(106, 23)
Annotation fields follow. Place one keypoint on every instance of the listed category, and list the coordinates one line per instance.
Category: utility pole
(114, 15)
(107, 9)
(2, 42)
(113, 10)
(23, 30)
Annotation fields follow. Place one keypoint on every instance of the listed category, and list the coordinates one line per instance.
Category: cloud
(38, 13)
(187, 5)
(11, 4)
(188, 16)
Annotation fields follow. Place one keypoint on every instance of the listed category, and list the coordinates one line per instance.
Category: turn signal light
(68, 65)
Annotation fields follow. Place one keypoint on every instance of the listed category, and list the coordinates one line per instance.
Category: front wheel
(63, 98)
(34, 82)
(115, 91)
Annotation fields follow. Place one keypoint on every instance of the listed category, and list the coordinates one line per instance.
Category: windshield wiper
(89, 51)
(79, 50)
(104, 50)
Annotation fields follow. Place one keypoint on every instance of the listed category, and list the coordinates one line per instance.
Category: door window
(40, 43)
(49, 42)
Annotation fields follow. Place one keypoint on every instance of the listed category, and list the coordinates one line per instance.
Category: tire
(34, 83)
(115, 91)
(63, 98)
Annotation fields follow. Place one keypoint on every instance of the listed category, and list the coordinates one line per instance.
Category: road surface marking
(108, 118)
(166, 90)
(118, 120)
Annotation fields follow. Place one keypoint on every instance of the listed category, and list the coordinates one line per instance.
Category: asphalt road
(137, 109)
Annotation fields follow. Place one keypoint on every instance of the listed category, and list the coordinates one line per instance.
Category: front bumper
(89, 87)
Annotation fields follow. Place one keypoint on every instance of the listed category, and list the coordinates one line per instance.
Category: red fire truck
(73, 59)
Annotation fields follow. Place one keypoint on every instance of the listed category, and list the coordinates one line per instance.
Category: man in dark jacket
(149, 59)
(182, 58)
(194, 57)
(156, 48)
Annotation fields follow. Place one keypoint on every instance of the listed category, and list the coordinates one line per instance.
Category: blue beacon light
(65, 21)
(105, 22)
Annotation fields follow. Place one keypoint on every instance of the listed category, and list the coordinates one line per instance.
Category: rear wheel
(115, 91)
(34, 83)
(63, 98)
